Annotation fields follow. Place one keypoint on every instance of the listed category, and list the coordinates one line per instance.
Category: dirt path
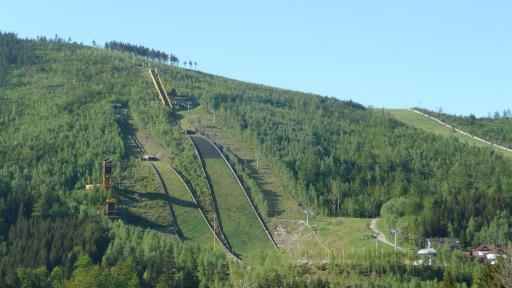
(380, 236)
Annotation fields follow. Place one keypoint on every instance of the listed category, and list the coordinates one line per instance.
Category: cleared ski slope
(430, 124)
(244, 230)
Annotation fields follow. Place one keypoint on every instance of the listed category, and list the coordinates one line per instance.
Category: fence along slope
(238, 217)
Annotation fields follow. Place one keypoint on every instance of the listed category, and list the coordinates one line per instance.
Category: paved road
(380, 236)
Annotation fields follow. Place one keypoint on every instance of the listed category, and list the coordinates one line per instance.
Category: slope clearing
(238, 221)
(286, 218)
(145, 200)
(190, 223)
(414, 119)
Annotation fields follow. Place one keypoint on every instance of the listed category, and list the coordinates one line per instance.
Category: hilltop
(343, 161)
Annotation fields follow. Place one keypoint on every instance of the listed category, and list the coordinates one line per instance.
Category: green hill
(421, 122)
(497, 129)
(337, 157)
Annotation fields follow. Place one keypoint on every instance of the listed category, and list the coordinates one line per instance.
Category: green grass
(424, 123)
(282, 204)
(190, 222)
(240, 225)
(342, 236)
(192, 118)
(338, 234)
(188, 217)
(145, 201)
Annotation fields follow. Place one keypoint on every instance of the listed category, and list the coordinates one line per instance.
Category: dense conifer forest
(346, 160)
(496, 128)
(340, 158)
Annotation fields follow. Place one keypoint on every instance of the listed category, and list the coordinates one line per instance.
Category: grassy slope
(140, 188)
(282, 204)
(190, 222)
(421, 122)
(146, 202)
(240, 225)
(338, 234)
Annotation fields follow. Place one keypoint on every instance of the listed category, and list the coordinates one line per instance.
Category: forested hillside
(57, 124)
(497, 129)
(346, 160)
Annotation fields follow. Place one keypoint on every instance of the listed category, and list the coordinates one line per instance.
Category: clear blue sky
(451, 54)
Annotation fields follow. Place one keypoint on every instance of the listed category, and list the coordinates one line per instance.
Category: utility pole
(258, 155)
(394, 231)
(308, 211)
(318, 229)
(204, 121)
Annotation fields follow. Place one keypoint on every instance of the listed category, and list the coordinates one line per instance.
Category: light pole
(258, 155)
(308, 211)
(394, 231)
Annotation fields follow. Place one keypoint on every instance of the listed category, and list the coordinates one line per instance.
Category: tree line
(56, 125)
(346, 160)
(497, 129)
(153, 54)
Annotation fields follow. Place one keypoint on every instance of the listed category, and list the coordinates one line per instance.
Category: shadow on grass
(272, 198)
(183, 203)
(135, 196)
(140, 221)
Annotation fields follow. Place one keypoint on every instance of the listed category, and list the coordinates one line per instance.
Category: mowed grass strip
(421, 122)
(239, 222)
(146, 201)
(190, 222)
(282, 205)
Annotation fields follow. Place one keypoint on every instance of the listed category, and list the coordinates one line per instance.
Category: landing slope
(239, 223)
(189, 220)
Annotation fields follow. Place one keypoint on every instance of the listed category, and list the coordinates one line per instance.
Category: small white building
(488, 253)
(424, 255)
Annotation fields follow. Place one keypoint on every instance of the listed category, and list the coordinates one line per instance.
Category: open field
(238, 221)
(421, 122)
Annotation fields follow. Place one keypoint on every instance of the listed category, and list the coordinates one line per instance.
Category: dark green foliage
(14, 52)
(49, 243)
(346, 160)
(56, 125)
(141, 51)
(497, 129)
